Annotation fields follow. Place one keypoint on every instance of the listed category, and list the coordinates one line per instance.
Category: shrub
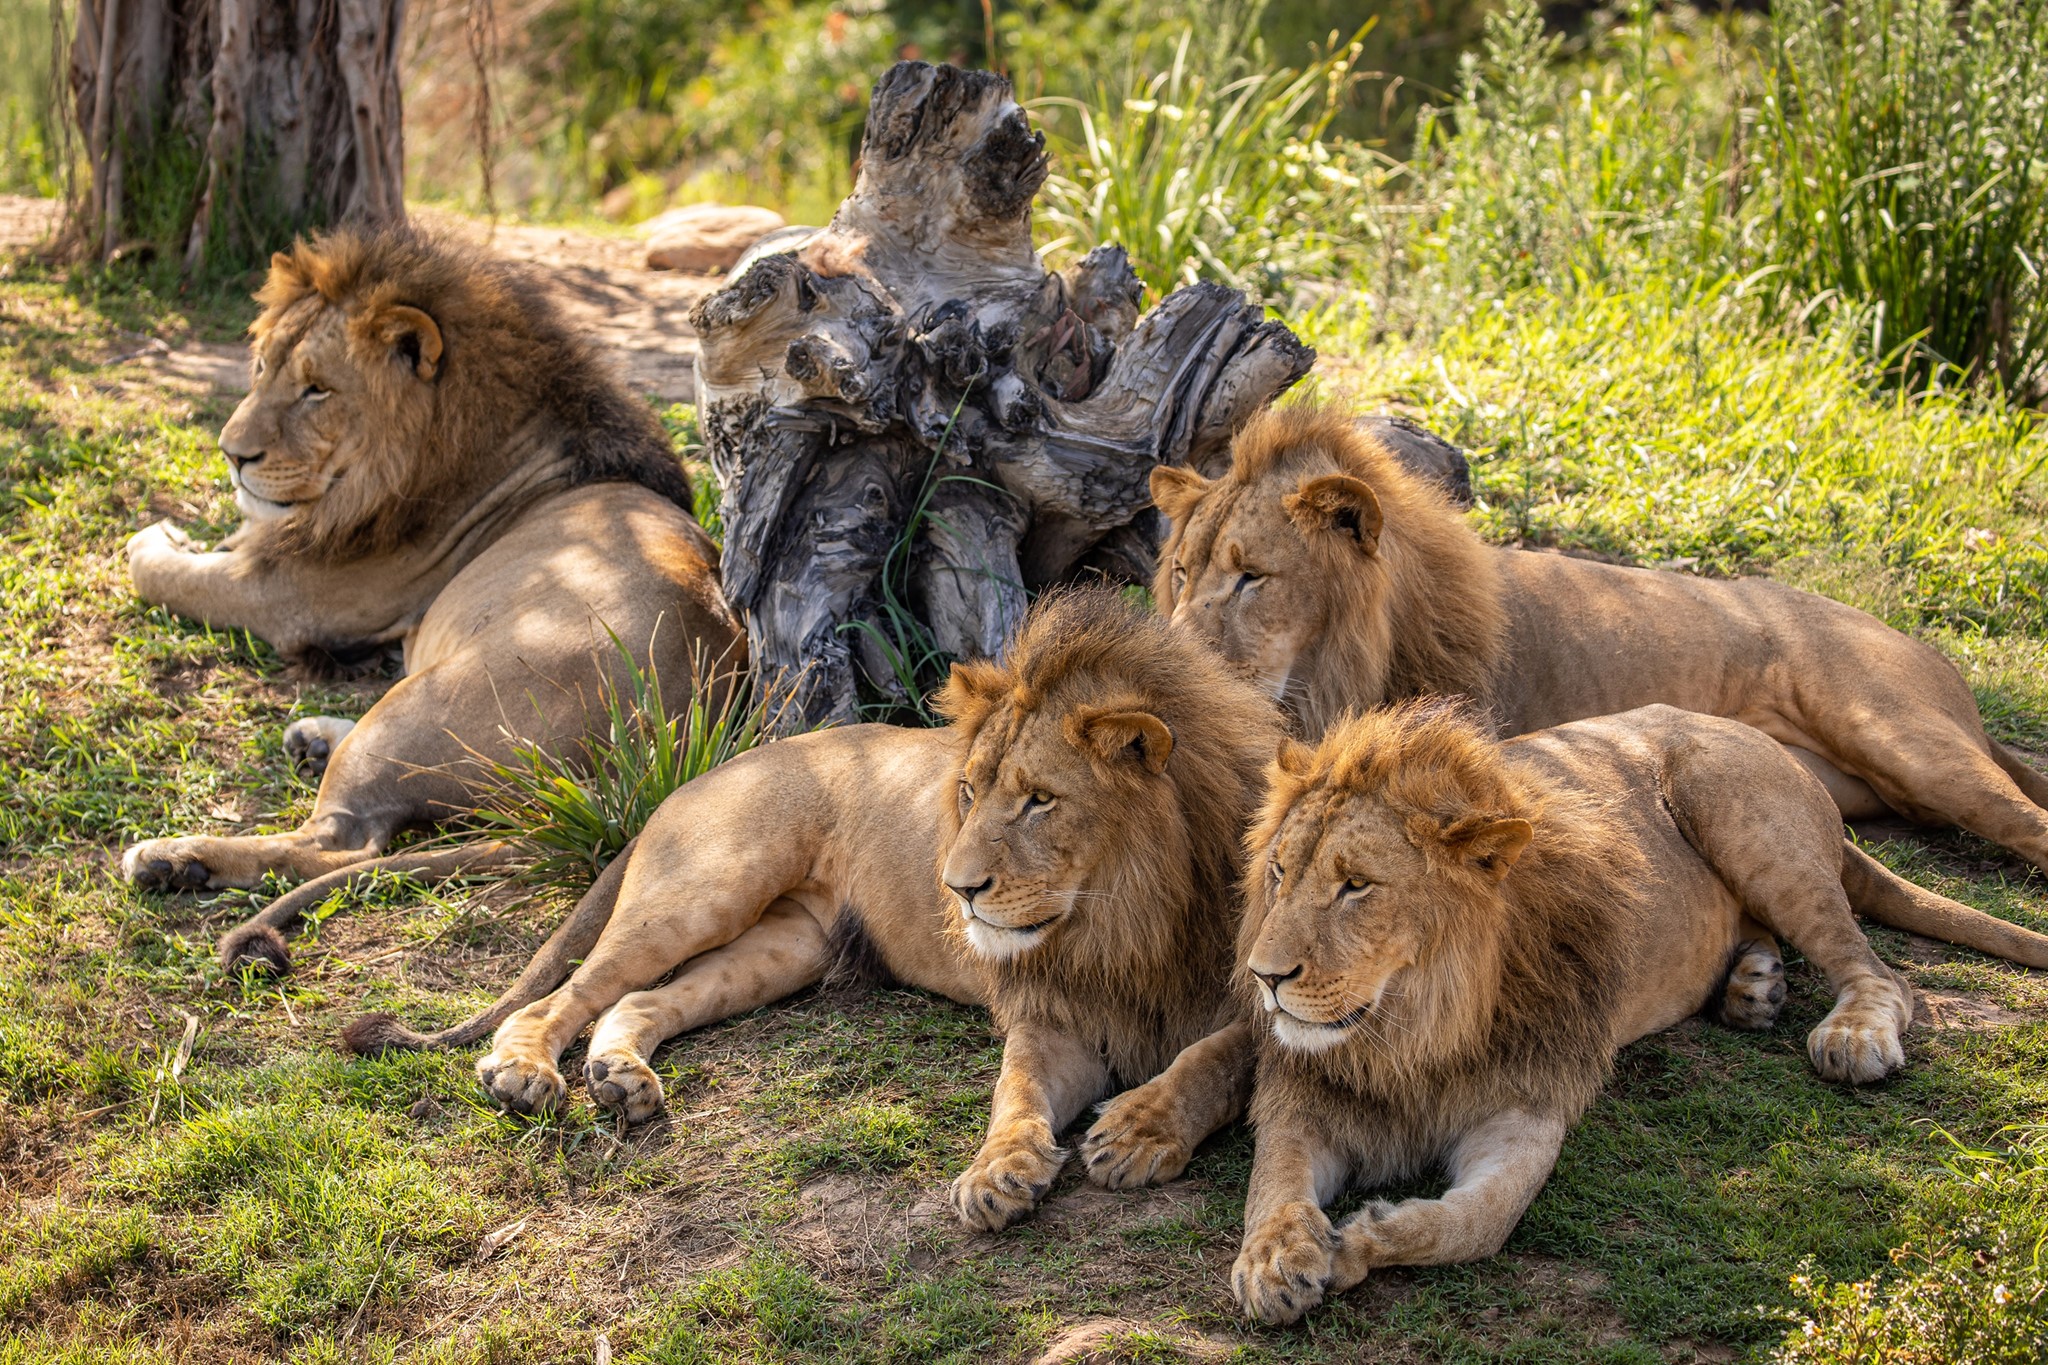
(1908, 156)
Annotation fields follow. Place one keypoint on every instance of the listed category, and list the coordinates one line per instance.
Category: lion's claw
(1137, 1141)
(1004, 1185)
(1285, 1265)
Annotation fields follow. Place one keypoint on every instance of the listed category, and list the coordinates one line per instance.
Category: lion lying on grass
(1341, 581)
(1451, 937)
(1104, 971)
(752, 881)
(428, 456)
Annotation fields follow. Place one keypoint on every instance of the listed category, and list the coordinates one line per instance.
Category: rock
(706, 238)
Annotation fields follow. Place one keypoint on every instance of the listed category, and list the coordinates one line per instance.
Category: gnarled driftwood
(910, 415)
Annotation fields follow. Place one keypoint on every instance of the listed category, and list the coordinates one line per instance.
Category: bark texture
(914, 422)
(212, 123)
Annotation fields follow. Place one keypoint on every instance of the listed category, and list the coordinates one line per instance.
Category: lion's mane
(1142, 975)
(509, 364)
(1513, 1007)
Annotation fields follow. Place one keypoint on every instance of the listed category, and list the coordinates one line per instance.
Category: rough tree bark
(235, 121)
(908, 412)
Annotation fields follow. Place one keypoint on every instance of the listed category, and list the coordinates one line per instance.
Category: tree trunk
(220, 127)
(914, 423)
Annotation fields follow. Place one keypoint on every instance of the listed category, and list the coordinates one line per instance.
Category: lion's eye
(1357, 885)
(312, 392)
(1246, 579)
(1039, 801)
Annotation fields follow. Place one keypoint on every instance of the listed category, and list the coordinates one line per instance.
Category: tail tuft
(372, 1035)
(256, 947)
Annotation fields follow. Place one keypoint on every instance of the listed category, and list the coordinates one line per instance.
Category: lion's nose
(1275, 980)
(966, 892)
(240, 460)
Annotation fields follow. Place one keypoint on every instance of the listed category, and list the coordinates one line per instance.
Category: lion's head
(1334, 577)
(1108, 768)
(1413, 895)
(397, 377)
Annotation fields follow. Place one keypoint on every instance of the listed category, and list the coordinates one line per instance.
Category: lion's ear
(1294, 758)
(970, 690)
(1111, 735)
(411, 336)
(1175, 490)
(1490, 845)
(1340, 503)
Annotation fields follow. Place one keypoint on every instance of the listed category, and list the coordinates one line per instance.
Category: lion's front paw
(165, 865)
(524, 1085)
(1006, 1181)
(1139, 1140)
(1859, 1040)
(155, 543)
(309, 741)
(1285, 1265)
(624, 1084)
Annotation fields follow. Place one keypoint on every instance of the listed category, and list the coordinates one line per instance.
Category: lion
(1341, 581)
(821, 853)
(1451, 936)
(429, 457)
(1108, 771)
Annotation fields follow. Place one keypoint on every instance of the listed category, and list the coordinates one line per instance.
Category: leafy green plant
(1970, 1286)
(575, 810)
(1211, 165)
(1908, 156)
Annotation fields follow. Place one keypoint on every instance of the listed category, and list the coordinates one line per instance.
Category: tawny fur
(1423, 617)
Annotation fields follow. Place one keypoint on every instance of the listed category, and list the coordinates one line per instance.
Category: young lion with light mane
(1452, 936)
(428, 456)
(1341, 581)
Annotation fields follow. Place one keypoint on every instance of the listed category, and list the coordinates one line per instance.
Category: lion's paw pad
(310, 741)
(624, 1084)
(524, 1085)
(1756, 989)
(160, 865)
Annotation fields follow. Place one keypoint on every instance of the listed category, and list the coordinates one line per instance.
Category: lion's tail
(1879, 893)
(2023, 774)
(259, 941)
(370, 1034)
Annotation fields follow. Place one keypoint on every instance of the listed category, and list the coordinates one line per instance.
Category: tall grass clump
(573, 810)
(1907, 144)
(1211, 164)
(1971, 1284)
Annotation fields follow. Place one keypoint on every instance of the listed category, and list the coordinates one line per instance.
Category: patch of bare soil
(640, 316)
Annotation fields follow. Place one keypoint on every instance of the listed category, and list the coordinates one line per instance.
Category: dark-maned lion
(429, 456)
(1110, 766)
(1340, 581)
(1451, 937)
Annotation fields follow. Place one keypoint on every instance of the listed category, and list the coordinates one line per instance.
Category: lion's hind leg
(783, 953)
(1779, 850)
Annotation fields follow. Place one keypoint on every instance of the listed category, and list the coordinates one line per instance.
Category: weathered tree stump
(914, 422)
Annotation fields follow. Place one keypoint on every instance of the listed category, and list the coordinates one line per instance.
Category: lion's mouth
(998, 941)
